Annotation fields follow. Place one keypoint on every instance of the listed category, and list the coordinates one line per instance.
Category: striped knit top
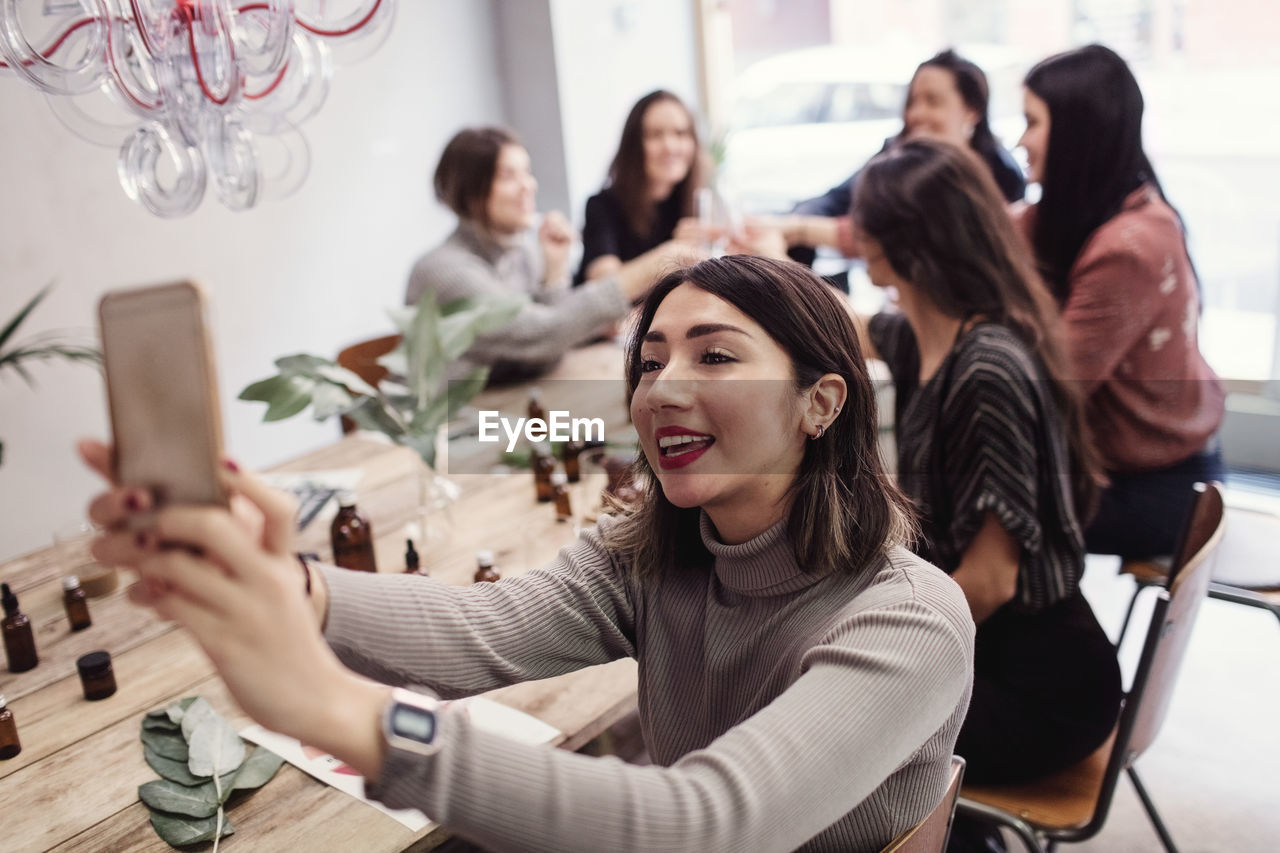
(552, 318)
(984, 434)
(783, 710)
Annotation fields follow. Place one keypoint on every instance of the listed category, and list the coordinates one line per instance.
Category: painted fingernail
(231, 466)
(132, 502)
(142, 540)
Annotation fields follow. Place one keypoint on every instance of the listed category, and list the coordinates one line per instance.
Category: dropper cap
(8, 600)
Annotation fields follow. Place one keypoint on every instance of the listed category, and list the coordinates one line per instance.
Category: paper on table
(483, 713)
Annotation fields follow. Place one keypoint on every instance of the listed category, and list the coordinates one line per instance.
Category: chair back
(362, 360)
(931, 834)
(1171, 622)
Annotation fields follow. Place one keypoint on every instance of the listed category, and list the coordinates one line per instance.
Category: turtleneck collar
(486, 243)
(762, 566)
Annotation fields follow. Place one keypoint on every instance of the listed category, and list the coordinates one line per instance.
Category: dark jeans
(1142, 514)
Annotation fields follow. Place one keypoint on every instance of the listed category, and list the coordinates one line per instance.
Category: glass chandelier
(198, 91)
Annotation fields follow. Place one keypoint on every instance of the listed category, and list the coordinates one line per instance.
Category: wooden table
(74, 785)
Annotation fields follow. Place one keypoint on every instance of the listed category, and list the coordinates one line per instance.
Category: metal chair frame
(1189, 577)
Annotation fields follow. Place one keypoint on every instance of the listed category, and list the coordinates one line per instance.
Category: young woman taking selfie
(802, 675)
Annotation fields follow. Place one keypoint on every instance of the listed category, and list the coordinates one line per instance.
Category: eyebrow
(698, 331)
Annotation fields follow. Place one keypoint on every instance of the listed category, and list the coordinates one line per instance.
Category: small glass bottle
(9, 743)
(569, 454)
(19, 641)
(485, 571)
(351, 536)
(411, 559)
(96, 676)
(560, 492)
(535, 405)
(76, 603)
(543, 464)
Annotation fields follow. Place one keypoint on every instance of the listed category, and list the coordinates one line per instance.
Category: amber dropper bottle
(19, 641)
(9, 743)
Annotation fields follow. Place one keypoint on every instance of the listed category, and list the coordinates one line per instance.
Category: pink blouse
(1131, 322)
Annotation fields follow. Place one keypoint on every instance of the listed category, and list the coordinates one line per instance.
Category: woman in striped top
(993, 449)
(802, 676)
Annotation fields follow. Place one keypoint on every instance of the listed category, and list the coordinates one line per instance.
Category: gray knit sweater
(782, 710)
(552, 319)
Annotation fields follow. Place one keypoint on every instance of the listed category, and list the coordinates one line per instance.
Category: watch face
(413, 723)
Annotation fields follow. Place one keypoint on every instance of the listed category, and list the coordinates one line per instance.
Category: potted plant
(417, 397)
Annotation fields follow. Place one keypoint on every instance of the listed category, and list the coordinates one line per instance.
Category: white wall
(608, 54)
(309, 273)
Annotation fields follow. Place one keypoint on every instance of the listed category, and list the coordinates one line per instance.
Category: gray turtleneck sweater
(552, 319)
(782, 710)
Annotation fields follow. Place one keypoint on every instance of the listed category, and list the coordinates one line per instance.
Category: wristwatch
(409, 722)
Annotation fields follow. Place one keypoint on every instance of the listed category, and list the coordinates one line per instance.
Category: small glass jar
(96, 675)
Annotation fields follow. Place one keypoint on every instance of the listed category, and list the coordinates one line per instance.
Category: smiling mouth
(673, 446)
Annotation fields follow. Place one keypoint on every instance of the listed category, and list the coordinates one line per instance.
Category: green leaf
(370, 415)
(302, 364)
(329, 400)
(161, 723)
(256, 771)
(423, 445)
(285, 395)
(215, 747)
(192, 801)
(175, 710)
(169, 744)
(196, 713)
(180, 831)
(461, 392)
(422, 348)
(174, 771)
(12, 326)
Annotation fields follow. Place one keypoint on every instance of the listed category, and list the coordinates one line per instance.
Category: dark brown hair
(464, 175)
(845, 509)
(1095, 157)
(627, 178)
(941, 221)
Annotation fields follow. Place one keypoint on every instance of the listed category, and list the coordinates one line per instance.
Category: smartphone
(162, 392)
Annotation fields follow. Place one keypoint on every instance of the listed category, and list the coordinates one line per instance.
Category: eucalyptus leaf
(192, 801)
(170, 744)
(197, 711)
(174, 771)
(256, 771)
(339, 375)
(329, 400)
(414, 399)
(181, 831)
(215, 747)
(175, 710)
(161, 723)
(302, 364)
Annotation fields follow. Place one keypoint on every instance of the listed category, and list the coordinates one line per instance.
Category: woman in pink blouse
(1115, 255)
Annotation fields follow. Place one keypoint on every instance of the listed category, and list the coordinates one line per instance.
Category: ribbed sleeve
(547, 324)
(824, 709)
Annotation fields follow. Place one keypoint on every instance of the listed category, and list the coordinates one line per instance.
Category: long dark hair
(971, 83)
(940, 219)
(845, 511)
(464, 175)
(627, 179)
(1095, 157)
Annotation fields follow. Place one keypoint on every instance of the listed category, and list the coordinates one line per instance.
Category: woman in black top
(993, 449)
(652, 185)
(947, 100)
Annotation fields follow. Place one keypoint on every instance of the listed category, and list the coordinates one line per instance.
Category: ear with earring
(822, 428)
